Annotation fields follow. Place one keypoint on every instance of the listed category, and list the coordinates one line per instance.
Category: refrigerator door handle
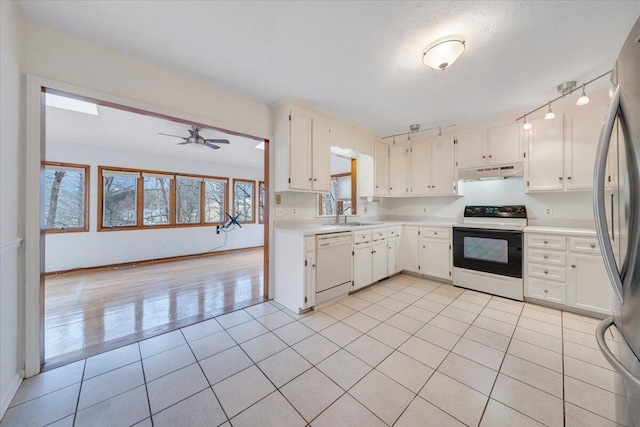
(598, 195)
(611, 358)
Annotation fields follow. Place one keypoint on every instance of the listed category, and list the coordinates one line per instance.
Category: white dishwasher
(333, 262)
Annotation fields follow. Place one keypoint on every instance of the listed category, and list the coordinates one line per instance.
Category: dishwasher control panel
(333, 239)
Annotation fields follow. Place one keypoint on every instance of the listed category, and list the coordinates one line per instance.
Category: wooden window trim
(87, 178)
(140, 199)
(226, 199)
(261, 184)
(253, 199)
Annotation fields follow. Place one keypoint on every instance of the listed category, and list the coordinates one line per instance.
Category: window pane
(188, 201)
(214, 208)
(243, 201)
(64, 198)
(120, 201)
(157, 199)
(261, 196)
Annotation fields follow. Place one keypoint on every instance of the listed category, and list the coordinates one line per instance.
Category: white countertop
(587, 232)
(313, 229)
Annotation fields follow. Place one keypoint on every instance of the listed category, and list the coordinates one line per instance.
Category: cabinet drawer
(379, 234)
(547, 272)
(541, 256)
(584, 244)
(361, 245)
(546, 241)
(309, 243)
(436, 233)
(391, 232)
(552, 291)
(362, 236)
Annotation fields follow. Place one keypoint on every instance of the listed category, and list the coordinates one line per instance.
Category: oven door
(492, 251)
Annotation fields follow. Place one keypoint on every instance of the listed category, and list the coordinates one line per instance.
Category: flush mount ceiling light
(443, 52)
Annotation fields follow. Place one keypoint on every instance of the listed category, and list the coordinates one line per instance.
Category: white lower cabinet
(567, 270)
(391, 255)
(379, 260)
(411, 249)
(435, 258)
(362, 263)
(295, 270)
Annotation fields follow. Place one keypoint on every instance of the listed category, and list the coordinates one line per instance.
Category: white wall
(11, 294)
(66, 251)
(565, 206)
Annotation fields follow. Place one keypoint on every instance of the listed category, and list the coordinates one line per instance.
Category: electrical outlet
(278, 199)
(425, 210)
(548, 211)
(294, 211)
(364, 209)
(279, 211)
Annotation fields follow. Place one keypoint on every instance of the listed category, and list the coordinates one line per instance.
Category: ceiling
(124, 130)
(361, 60)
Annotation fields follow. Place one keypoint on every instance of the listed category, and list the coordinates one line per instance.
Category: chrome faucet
(338, 213)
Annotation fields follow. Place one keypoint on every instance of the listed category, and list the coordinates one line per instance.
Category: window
(66, 191)
(243, 195)
(157, 199)
(261, 198)
(188, 200)
(341, 197)
(215, 200)
(120, 198)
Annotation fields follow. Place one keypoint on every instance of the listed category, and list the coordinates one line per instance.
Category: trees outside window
(157, 199)
(66, 188)
(329, 202)
(120, 199)
(243, 200)
(188, 200)
(215, 191)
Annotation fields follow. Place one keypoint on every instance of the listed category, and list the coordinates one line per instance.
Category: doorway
(147, 227)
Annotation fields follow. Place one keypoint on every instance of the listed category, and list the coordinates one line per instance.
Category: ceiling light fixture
(549, 114)
(584, 99)
(526, 125)
(443, 52)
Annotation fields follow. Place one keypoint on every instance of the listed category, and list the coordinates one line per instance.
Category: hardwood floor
(87, 313)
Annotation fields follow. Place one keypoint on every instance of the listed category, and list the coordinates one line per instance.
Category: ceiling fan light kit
(443, 52)
(194, 137)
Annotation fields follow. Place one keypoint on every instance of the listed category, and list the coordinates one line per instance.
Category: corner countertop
(307, 229)
(573, 231)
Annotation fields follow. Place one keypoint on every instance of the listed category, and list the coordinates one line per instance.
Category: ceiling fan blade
(210, 145)
(218, 141)
(176, 136)
(184, 143)
(194, 133)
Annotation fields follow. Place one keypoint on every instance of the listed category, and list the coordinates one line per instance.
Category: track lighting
(549, 114)
(584, 99)
(526, 125)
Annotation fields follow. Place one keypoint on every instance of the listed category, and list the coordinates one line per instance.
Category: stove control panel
(508, 211)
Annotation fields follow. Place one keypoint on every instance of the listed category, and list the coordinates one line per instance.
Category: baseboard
(8, 397)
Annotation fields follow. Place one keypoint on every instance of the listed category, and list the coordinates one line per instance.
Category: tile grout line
(564, 406)
(75, 413)
(146, 389)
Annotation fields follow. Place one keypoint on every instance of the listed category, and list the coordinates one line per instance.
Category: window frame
(204, 198)
(140, 199)
(262, 204)
(87, 177)
(254, 220)
(340, 203)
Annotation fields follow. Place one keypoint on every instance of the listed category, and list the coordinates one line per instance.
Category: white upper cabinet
(381, 169)
(302, 150)
(397, 170)
(419, 182)
(544, 169)
(471, 150)
(504, 145)
(582, 133)
(441, 167)
(561, 152)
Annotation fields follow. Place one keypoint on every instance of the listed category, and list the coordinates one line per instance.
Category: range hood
(491, 172)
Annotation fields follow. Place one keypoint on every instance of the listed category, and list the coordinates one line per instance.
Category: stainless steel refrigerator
(617, 214)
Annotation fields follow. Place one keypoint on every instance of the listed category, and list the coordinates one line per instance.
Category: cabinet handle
(573, 266)
(568, 177)
(560, 178)
(484, 157)
(593, 246)
(490, 156)
(310, 179)
(546, 291)
(546, 256)
(545, 242)
(315, 179)
(313, 265)
(435, 233)
(546, 272)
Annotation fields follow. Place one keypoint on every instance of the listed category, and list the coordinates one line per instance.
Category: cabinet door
(471, 150)
(582, 134)
(588, 285)
(391, 256)
(310, 279)
(545, 156)
(435, 258)
(321, 166)
(419, 184)
(299, 151)
(382, 169)
(399, 250)
(411, 249)
(379, 260)
(397, 170)
(504, 145)
(442, 162)
(362, 265)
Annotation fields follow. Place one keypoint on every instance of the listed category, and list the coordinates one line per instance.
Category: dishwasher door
(333, 260)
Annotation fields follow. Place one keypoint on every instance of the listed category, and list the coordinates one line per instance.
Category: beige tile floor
(405, 352)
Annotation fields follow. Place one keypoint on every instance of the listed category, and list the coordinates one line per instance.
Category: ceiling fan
(194, 137)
